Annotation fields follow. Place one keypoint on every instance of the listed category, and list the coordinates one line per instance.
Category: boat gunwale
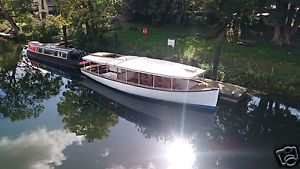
(151, 88)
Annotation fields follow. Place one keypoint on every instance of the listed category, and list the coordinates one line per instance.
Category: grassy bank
(264, 67)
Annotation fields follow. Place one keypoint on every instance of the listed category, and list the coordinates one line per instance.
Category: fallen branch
(7, 35)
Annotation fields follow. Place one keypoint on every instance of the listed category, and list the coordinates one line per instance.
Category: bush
(44, 30)
(4, 26)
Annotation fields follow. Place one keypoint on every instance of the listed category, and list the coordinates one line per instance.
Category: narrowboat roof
(52, 46)
(147, 65)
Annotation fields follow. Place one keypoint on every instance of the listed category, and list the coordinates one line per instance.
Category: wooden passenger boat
(55, 54)
(151, 78)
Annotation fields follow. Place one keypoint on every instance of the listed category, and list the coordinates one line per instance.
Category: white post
(98, 69)
(188, 84)
(171, 83)
(126, 75)
(153, 81)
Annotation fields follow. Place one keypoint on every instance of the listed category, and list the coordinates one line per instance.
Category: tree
(284, 15)
(162, 11)
(89, 17)
(287, 20)
(17, 8)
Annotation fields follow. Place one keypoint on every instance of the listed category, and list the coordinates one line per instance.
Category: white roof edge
(170, 76)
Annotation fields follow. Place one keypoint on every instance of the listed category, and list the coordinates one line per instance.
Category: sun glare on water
(180, 155)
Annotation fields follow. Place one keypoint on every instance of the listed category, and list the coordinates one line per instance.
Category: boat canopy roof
(147, 65)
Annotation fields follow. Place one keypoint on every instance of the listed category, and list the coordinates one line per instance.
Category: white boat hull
(206, 99)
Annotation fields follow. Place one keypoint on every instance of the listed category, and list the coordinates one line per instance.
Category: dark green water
(53, 119)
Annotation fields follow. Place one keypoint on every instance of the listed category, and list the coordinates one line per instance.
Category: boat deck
(228, 92)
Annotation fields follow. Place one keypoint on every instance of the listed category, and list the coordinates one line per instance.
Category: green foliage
(4, 26)
(263, 67)
(88, 17)
(159, 12)
(19, 8)
(47, 28)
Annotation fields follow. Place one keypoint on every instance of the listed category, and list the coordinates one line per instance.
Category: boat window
(51, 52)
(162, 82)
(121, 75)
(132, 77)
(179, 84)
(64, 55)
(40, 50)
(94, 68)
(146, 79)
(47, 51)
(102, 68)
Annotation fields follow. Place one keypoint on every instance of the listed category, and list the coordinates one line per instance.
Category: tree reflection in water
(23, 88)
(244, 135)
(248, 133)
(84, 117)
(260, 120)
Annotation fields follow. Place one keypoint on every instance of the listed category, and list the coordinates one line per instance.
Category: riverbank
(263, 67)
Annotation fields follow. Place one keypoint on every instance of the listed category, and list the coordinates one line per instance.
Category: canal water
(50, 118)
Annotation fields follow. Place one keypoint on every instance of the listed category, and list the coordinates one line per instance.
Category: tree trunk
(287, 29)
(281, 17)
(180, 12)
(179, 18)
(286, 35)
(7, 17)
(296, 23)
(65, 35)
(277, 35)
(88, 31)
(92, 24)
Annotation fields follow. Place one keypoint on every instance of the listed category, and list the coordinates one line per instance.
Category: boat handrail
(201, 85)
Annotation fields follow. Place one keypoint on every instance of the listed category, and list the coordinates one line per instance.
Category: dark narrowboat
(54, 54)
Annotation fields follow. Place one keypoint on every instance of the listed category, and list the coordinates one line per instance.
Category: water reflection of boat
(161, 113)
(54, 69)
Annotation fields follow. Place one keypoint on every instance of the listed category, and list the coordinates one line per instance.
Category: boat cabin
(54, 50)
(145, 72)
